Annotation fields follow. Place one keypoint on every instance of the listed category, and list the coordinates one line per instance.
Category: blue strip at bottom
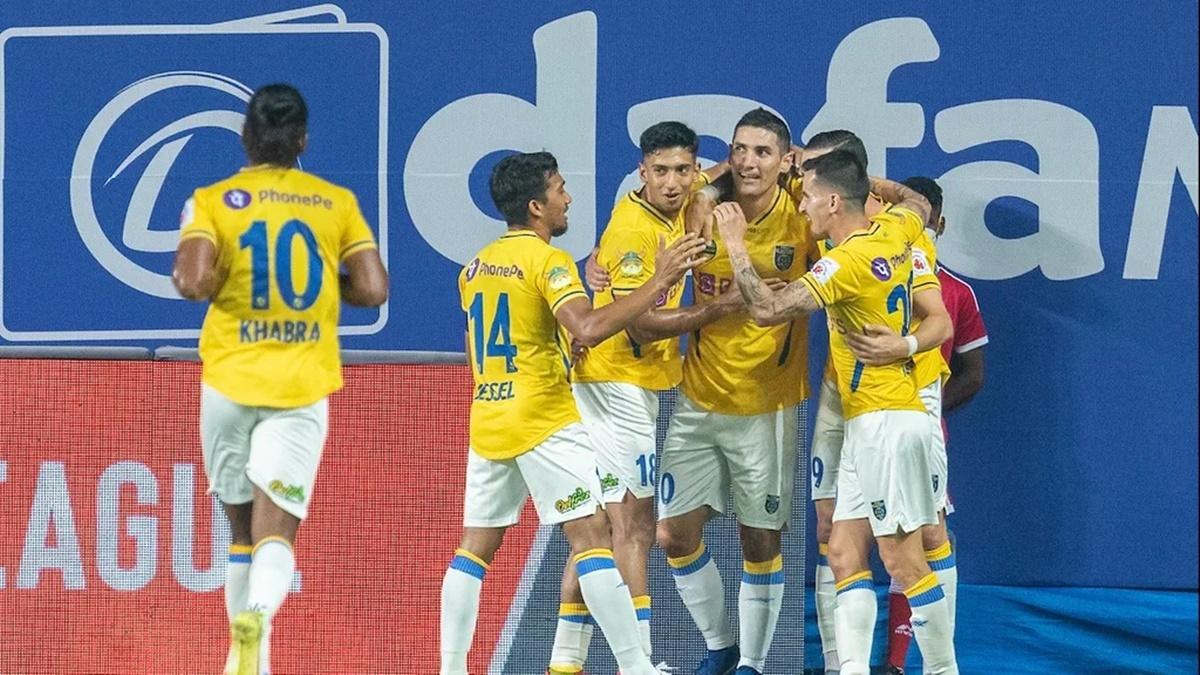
(1013, 629)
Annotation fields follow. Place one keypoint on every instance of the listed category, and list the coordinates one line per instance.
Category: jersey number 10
(255, 238)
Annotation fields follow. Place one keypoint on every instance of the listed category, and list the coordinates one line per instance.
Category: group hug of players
(565, 403)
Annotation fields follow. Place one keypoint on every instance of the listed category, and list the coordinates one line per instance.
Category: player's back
(866, 279)
(270, 335)
(517, 352)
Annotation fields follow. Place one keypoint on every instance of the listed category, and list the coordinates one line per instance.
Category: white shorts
(707, 454)
(275, 449)
(620, 420)
(939, 463)
(559, 473)
(828, 432)
(885, 472)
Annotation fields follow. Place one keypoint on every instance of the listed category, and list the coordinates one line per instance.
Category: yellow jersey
(518, 353)
(270, 334)
(867, 279)
(734, 366)
(627, 250)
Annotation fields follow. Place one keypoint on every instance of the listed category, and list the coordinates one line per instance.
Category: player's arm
(663, 324)
(879, 345)
(766, 305)
(365, 281)
(966, 378)
(195, 274)
(591, 326)
(901, 196)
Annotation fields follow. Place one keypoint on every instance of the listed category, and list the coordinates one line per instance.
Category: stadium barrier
(112, 555)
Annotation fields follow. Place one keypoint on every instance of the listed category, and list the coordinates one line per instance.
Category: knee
(587, 533)
(760, 545)
(844, 563)
(675, 542)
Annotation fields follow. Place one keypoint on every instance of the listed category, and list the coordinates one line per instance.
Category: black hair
(839, 139)
(761, 118)
(276, 122)
(666, 135)
(841, 171)
(927, 188)
(518, 179)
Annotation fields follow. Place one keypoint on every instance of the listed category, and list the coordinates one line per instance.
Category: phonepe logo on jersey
(113, 151)
(1064, 187)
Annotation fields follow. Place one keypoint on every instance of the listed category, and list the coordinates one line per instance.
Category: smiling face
(757, 157)
(668, 174)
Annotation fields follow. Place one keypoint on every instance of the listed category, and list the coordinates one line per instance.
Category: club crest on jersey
(559, 278)
(879, 509)
(472, 268)
(631, 264)
(784, 256)
(772, 504)
(237, 199)
(881, 269)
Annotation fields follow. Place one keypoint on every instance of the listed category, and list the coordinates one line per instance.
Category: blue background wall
(1076, 465)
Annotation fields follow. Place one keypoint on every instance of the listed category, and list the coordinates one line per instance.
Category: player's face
(756, 159)
(554, 210)
(817, 203)
(668, 174)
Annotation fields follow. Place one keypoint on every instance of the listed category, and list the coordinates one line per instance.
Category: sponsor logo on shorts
(881, 269)
(609, 482)
(292, 493)
(772, 503)
(572, 501)
(935, 482)
(879, 509)
(784, 255)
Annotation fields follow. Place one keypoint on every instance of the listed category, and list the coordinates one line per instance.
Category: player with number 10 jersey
(270, 335)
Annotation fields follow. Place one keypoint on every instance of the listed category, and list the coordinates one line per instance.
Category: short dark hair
(841, 171)
(276, 122)
(519, 178)
(761, 118)
(927, 188)
(666, 135)
(839, 139)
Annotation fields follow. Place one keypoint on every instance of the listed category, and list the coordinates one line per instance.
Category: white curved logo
(136, 233)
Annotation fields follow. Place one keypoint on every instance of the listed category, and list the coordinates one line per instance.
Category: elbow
(376, 295)
(195, 289)
(370, 294)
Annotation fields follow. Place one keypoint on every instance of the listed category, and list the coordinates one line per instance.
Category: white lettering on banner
(183, 534)
(562, 121)
(51, 509)
(51, 506)
(143, 528)
(1170, 149)
(1066, 190)
(856, 95)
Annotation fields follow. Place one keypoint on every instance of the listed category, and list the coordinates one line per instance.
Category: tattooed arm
(766, 306)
